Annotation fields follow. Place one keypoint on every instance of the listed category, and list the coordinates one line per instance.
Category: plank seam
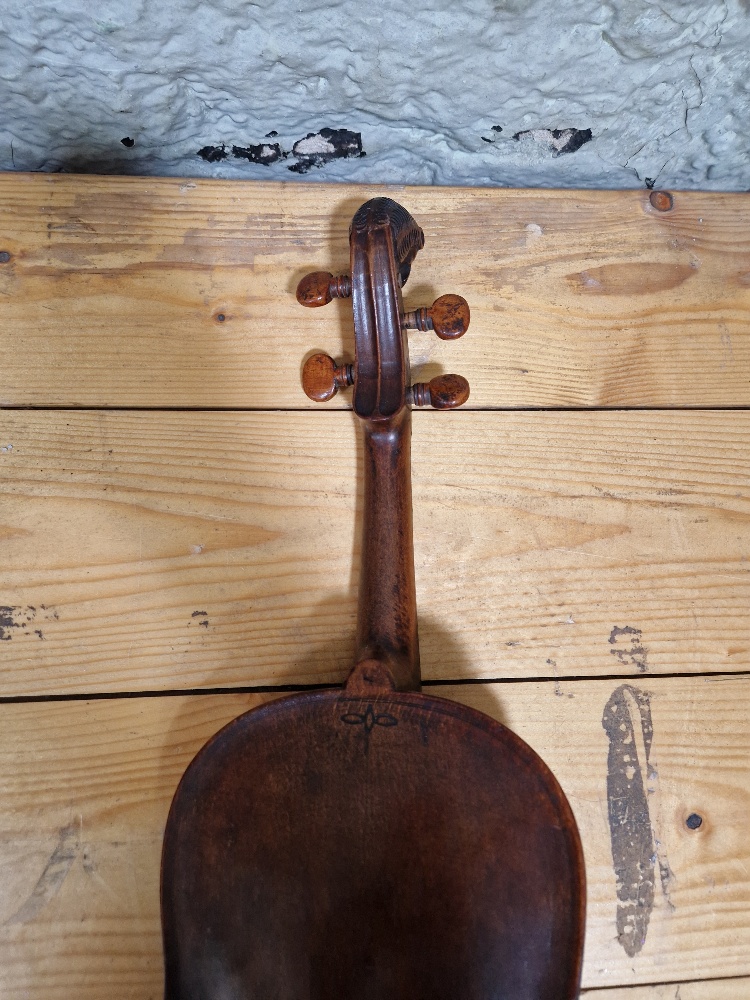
(25, 699)
(592, 990)
(697, 408)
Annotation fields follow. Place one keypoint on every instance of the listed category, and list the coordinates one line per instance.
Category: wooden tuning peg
(445, 392)
(322, 377)
(318, 288)
(448, 316)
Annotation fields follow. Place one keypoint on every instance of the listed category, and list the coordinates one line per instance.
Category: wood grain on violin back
(125, 291)
(392, 845)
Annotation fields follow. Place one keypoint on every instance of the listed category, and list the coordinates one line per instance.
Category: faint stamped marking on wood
(628, 647)
(54, 874)
(18, 620)
(632, 807)
(368, 720)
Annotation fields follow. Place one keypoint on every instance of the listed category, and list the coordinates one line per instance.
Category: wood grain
(153, 551)
(86, 786)
(125, 291)
(711, 989)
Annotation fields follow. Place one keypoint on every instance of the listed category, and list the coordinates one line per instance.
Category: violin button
(445, 392)
(319, 287)
(448, 316)
(322, 377)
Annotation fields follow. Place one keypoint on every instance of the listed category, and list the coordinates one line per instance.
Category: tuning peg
(445, 392)
(318, 288)
(448, 317)
(322, 377)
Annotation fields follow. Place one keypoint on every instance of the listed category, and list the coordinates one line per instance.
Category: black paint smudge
(54, 874)
(560, 140)
(629, 648)
(7, 621)
(493, 128)
(265, 153)
(332, 144)
(213, 154)
(17, 620)
(630, 828)
(13, 618)
(203, 615)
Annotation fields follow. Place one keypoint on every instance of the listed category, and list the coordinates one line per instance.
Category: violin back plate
(396, 846)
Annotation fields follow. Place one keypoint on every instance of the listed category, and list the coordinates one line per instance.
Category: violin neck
(387, 614)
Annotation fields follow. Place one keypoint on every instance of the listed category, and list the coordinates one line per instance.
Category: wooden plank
(712, 989)
(153, 551)
(86, 788)
(116, 285)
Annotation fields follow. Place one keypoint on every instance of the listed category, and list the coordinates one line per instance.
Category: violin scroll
(383, 241)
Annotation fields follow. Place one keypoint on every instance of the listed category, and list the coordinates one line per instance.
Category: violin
(372, 841)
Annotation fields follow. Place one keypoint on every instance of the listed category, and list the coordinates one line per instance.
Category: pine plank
(157, 551)
(716, 989)
(115, 286)
(86, 787)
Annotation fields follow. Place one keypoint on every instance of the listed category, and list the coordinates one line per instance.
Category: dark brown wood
(322, 377)
(373, 842)
(387, 599)
(384, 239)
(448, 316)
(396, 847)
(444, 392)
(317, 289)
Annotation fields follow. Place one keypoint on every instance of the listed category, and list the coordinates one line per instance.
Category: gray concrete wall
(589, 93)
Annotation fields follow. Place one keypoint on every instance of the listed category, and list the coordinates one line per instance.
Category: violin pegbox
(380, 269)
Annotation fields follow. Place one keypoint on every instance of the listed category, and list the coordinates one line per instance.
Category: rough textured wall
(618, 93)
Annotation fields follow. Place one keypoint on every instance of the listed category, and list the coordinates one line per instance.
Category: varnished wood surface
(158, 551)
(86, 786)
(170, 292)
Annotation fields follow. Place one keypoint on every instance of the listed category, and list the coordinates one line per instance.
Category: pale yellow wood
(174, 550)
(579, 298)
(716, 989)
(86, 787)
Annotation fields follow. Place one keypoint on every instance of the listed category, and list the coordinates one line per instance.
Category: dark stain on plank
(13, 618)
(202, 617)
(627, 722)
(54, 874)
(627, 643)
(18, 620)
